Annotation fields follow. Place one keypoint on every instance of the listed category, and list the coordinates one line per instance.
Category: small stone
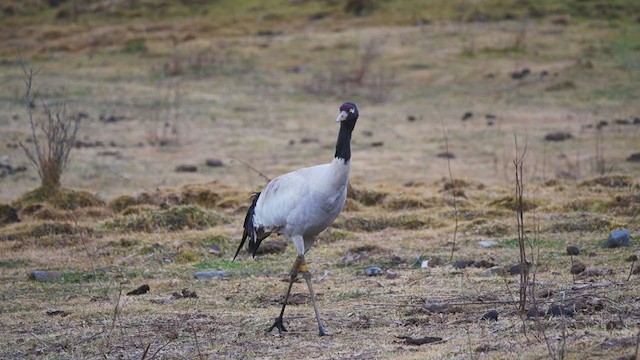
(515, 269)
(466, 116)
(534, 313)
(632, 258)
(214, 250)
(186, 168)
(373, 271)
(54, 312)
(573, 250)
(577, 268)
(495, 270)
(635, 157)
(487, 243)
(217, 274)
(424, 264)
(391, 274)
(491, 315)
(45, 275)
(618, 238)
(461, 264)
(558, 136)
(142, 289)
(214, 162)
(557, 310)
(484, 264)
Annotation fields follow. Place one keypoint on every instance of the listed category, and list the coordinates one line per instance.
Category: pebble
(45, 275)
(491, 315)
(373, 271)
(391, 274)
(573, 250)
(217, 274)
(495, 270)
(487, 243)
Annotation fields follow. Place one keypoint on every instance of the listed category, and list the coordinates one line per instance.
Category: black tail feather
(249, 231)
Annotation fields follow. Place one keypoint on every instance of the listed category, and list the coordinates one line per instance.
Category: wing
(278, 199)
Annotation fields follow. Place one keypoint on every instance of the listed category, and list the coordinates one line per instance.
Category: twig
(160, 348)
(265, 177)
(195, 335)
(146, 350)
(453, 190)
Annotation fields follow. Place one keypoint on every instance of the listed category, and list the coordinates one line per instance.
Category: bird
(300, 205)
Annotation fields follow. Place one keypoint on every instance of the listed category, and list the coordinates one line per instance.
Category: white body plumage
(303, 203)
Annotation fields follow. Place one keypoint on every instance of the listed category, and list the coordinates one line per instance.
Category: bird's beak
(342, 117)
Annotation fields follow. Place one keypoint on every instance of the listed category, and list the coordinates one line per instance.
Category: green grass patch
(13, 263)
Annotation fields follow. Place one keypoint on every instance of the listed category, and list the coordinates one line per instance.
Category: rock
(557, 310)
(8, 214)
(534, 313)
(45, 275)
(214, 249)
(483, 264)
(54, 312)
(558, 136)
(573, 250)
(142, 289)
(487, 243)
(186, 168)
(411, 118)
(424, 264)
(577, 268)
(419, 341)
(461, 264)
(184, 294)
(214, 163)
(373, 271)
(217, 274)
(491, 315)
(519, 75)
(495, 270)
(466, 116)
(391, 274)
(515, 269)
(618, 238)
(632, 258)
(377, 143)
(635, 157)
(446, 155)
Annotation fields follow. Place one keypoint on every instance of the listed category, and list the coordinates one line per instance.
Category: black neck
(343, 146)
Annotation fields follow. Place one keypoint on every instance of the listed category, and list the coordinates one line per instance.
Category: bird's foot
(277, 325)
(321, 332)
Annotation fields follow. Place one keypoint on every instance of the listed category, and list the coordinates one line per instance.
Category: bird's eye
(352, 110)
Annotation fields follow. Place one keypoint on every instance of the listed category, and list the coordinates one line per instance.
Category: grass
(130, 219)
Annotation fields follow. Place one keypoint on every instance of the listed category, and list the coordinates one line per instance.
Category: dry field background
(166, 84)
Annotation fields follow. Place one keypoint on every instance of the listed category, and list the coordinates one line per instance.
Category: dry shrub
(484, 227)
(612, 181)
(61, 198)
(366, 197)
(52, 137)
(405, 202)
(174, 219)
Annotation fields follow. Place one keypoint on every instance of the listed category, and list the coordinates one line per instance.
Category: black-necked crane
(300, 205)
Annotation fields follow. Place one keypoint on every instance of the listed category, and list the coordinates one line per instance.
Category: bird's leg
(297, 266)
(307, 277)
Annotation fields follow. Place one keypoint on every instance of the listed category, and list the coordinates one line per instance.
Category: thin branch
(453, 190)
(265, 177)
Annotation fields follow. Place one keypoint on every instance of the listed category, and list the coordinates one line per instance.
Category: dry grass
(134, 220)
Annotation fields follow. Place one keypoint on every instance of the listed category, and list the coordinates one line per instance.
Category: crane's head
(348, 113)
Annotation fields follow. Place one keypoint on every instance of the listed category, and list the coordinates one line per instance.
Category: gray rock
(45, 275)
(391, 274)
(217, 274)
(487, 243)
(618, 238)
(214, 162)
(373, 271)
(573, 250)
